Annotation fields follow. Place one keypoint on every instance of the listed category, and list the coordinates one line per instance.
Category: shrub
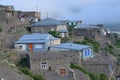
(92, 76)
(117, 42)
(38, 77)
(90, 42)
(22, 63)
(103, 77)
(25, 71)
(55, 34)
(115, 35)
(0, 29)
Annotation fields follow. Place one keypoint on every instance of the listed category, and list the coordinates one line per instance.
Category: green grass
(23, 68)
(55, 34)
(91, 75)
(90, 42)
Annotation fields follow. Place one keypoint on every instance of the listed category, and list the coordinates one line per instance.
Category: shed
(36, 42)
(85, 51)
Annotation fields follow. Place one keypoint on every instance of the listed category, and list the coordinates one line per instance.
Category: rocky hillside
(10, 31)
(8, 73)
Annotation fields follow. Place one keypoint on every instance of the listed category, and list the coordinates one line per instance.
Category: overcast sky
(90, 11)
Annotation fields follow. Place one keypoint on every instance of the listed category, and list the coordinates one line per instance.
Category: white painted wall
(103, 32)
(20, 47)
(62, 35)
(59, 27)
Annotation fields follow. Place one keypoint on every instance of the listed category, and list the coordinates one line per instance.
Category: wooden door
(30, 46)
(62, 72)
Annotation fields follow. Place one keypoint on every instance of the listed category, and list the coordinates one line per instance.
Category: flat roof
(36, 38)
(71, 46)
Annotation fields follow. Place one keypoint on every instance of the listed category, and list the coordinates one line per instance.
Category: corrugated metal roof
(71, 46)
(48, 22)
(85, 26)
(36, 38)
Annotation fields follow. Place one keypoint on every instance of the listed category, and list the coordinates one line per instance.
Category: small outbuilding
(36, 42)
(85, 52)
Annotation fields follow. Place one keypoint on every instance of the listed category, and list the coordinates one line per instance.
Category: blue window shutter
(88, 52)
(85, 52)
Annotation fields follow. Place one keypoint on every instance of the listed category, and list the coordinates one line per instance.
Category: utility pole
(46, 14)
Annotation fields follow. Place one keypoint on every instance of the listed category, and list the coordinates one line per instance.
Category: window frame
(44, 65)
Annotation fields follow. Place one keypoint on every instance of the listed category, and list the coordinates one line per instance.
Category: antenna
(46, 14)
(36, 8)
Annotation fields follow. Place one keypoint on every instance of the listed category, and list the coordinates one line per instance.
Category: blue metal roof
(71, 46)
(85, 26)
(48, 22)
(35, 38)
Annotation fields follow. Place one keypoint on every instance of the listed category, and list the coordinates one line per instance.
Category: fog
(90, 11)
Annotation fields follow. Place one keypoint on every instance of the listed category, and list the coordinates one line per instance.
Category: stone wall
(77, 38)
(92, 33)
(53, 65)
(43, 29)
(101, 64)
(55, 60)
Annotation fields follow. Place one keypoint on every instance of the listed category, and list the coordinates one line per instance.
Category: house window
(38, 46)
(44, 65)
(20, 47)
(36, 30)
(74, 23)
(52, 29)
(70, 24)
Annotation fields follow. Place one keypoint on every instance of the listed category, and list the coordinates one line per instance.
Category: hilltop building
(94, 32)
(10, 12)
(49, 24)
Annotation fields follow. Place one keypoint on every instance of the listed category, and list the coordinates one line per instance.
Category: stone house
(6, 11)
(56, 65)
(49, 24)
(36, 42)
(29, 16)
(84, 52)
(94, 32)
(9, 12)
(49, 62)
